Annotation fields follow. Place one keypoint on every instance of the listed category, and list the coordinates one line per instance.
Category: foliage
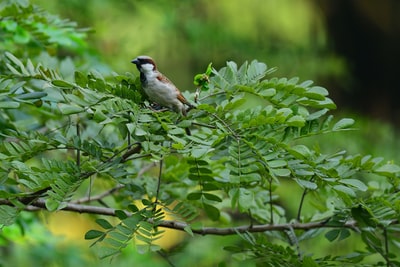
(287, 33)
(24, 25)
(57, 132)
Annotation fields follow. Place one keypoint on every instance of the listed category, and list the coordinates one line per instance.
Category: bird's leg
(157, 107)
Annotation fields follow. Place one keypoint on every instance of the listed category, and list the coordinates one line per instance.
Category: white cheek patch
(147, 67)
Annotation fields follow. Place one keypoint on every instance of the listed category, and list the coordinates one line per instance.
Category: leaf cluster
(23, 25)
(246, 144)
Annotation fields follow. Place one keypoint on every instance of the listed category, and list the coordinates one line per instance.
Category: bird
(158, 87)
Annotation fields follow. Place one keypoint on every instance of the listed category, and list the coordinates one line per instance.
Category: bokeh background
(350, 47)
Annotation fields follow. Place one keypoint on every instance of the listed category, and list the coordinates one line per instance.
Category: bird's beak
(135, 61)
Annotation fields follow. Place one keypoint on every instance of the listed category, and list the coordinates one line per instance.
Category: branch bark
(39, 204)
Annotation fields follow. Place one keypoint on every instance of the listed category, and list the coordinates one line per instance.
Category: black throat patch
(143, 79)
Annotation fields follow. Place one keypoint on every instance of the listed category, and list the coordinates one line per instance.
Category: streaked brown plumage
(158, 87)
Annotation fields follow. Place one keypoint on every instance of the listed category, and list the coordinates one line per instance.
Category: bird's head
(144, 64)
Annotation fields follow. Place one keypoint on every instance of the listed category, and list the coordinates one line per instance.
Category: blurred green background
(184, 36)
(349, 47)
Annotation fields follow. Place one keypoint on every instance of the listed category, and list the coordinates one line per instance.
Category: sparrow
(158, 87)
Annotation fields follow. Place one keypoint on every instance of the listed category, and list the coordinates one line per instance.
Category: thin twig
(112, 190)
(125, 157)
(226, 125)
(165, 257)
(303, 196)
(203, 125)
(78, 151)
(158, 183)
(99, 196)
(271, 206)
(387, 258)
(145, 169)
(211, 95)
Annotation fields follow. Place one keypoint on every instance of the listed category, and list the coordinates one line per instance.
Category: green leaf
(13, 70)
(296, 121)
(256, 71)
(388, 169)
(309, 262)
(32, 95)
(200, 170)
(363, 216)
(372, 240)
(281, 172)
(212, 197)
(133, 208)
(105, 252)
(307, 184)
(78, 100)
(9, 104)
(99, 116)
(178, 140)
(355, 183)
(92, 234)
(68, 109)
(343, 124)
(211, 211)
(140, 132)
(210, 187)
(194, 196)
(62, 84)
(123, 228)
(345, 189)
(245, 199)
(14, 59)
(188, 229)
(132, 221)
(268, 92)
(332, 235)
(8, 215)
(300, 151)
(326, 103)
(316, 92)
(104, 224)
(317, 114)
(277, 163)
(121, 214)
(51, 204)
(306, 83)
(344, 233)
(146, 225)
(120, 237)
(199, 152)
(80, 79)
(147, 202)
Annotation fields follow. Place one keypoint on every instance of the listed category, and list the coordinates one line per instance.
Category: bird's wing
(182, 98)
(162, 78)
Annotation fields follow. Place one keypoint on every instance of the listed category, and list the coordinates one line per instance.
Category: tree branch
(181, 226)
